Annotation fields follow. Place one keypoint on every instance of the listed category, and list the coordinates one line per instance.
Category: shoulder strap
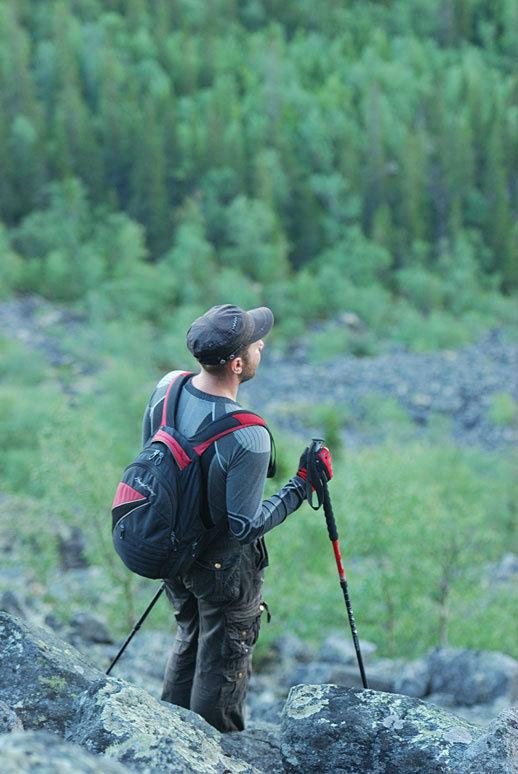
(218, 427)
(172, 398)
(228, 424)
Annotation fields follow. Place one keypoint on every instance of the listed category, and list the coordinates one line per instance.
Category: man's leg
(179, 671)
(228, 632)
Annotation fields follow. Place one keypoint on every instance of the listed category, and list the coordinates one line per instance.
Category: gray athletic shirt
(238, 468)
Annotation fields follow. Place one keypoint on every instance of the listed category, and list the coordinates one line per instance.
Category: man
(218, 602)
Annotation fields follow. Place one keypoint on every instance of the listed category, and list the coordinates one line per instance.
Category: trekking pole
(322, 493)
(135, 628)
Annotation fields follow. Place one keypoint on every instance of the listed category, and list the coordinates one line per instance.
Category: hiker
(218, 601)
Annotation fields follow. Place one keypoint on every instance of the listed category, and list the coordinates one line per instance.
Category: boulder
(41, 676)
(90, 628)
(44, 753)
(414, 679)
(327, 728)
(9, 720)
(339, 648)
(72, 547)
(12, 603)
(51, 686)
(121, 721)
(259, 744)
(339, 673)
(470, 676)
(496, 751)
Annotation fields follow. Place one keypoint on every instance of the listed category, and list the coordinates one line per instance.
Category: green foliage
(385, 415)
(337, 139)
(257, 246)
(332, 340)
(504, 409)
(389, 502)
(11, 266)
(329, 420)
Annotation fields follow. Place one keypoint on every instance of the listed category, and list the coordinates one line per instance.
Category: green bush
(417, 526)
(438, 330)
(503, 410)
(11, 266)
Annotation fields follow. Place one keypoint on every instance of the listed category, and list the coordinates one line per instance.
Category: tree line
(357, 143)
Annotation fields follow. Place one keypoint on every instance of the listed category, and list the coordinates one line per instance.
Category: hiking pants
(218, 606)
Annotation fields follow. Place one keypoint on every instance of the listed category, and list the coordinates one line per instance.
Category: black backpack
(160, 518)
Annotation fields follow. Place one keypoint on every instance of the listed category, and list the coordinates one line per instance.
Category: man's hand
(323, 462)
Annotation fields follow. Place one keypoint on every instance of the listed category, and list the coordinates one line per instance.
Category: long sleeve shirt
(237, 471)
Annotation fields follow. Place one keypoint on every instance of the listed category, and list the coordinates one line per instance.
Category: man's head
(227, 331)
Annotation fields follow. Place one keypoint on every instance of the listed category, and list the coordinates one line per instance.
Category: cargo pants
(218, 606)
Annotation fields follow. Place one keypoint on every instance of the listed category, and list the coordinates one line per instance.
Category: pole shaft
(352, 623)
(135, 628)
(333, 536)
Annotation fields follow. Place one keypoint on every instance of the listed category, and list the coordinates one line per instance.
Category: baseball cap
(219, 334)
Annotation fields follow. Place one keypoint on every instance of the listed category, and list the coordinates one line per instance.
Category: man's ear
(236, 365)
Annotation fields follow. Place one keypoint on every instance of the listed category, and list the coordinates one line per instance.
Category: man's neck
(224, 388)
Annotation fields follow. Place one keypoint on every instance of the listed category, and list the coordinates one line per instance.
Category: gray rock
(41, 676)
(339, 648)
(340, 674)
(414, 679)
(289, 648)
(471, 676)
(12, 603)
(146, 657)
(38, 752)
(326, 728)
(506, 570)
(9, 720)
(90, 628)
(51, 686)
(496, 751)
(260, 741)
(72, 547)
(121, 721)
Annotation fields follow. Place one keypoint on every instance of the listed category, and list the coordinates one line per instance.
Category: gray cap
(222, 332)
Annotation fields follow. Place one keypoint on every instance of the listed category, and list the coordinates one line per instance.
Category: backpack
(160, 518)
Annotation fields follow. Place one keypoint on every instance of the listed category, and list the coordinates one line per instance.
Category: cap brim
(263, 321)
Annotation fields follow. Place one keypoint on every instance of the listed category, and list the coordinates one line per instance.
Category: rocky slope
(59, 713)
(456, 388)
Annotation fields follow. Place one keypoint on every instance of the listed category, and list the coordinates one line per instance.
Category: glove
(323, 461)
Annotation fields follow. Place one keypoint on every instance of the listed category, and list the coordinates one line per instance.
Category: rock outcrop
(42, 677)
(122, 722)
(51, 686)
(44, 753)
(327, 728)
(495, 751)
(78, 720)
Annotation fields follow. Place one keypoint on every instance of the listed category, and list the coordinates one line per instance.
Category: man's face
(251, 357)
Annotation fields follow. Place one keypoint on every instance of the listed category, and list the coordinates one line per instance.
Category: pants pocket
(216, 579)
(241, 635)
(233, 690)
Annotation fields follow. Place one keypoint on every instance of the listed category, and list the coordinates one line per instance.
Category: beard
(249, 369)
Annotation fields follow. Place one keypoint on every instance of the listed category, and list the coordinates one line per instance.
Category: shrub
(503, 410)
(11, 266)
